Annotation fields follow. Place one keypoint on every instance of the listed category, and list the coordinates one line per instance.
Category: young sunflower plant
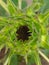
(23, 33)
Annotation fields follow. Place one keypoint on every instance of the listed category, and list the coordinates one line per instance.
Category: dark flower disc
(23, 33)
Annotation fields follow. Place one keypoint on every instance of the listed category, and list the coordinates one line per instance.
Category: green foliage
(45, 6)
(35, 20)
(14, 60)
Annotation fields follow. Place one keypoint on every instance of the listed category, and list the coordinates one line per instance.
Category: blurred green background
(43, 9)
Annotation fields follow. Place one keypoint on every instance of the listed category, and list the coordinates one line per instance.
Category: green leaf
(29, 11)
(3, 4)
(14, 60)
(15, 2)
(45, 6)
(46, 16)
(31, 59)
(24, 4)
(37, 58)
(11, 7)
(44, 43)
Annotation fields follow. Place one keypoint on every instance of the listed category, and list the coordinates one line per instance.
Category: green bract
(30, 26)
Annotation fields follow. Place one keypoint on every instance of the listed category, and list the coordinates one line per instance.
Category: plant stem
(44, 56)
(4, 6)
(6, 62)
(26, 59)
(19, 3)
